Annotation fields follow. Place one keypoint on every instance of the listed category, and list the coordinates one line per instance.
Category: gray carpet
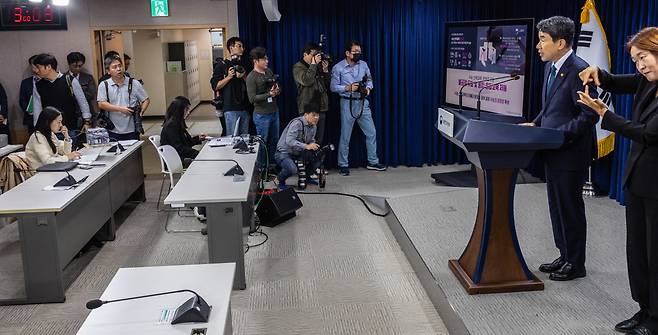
(334, 269)
(440, 224)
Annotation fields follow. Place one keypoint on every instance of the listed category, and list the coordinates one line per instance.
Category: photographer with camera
(351, 79)
(125, 100)
(296, 150)
(312, 77)
(263, 89)
(228, 82)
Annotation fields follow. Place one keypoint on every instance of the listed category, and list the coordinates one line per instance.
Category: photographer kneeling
(297, 142)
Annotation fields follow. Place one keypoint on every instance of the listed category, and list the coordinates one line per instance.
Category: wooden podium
(492, 261)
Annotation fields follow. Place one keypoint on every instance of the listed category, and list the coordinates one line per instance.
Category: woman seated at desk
(43, 147)
(174, 131)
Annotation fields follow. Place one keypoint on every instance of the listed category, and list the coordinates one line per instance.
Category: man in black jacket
(4, 112)
(228, 82)
(76, 61)
(25, 96)
(312, 77)
(62, 92)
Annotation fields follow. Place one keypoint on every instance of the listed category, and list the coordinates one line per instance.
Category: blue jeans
(289, 168)
(232, 117)
(267, 127)
(347, 124)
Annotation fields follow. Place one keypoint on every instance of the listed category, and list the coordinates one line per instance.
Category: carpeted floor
(334, 269)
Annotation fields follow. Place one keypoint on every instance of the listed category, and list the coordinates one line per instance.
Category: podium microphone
(193, 310)
(514, 77)
(461, 89)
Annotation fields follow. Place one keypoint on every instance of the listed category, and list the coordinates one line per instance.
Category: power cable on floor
(351, 196)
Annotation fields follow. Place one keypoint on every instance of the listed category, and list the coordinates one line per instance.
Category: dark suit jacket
(88, 85)
(560, 110)
(4, 105)
(175, 134)
(642, 166)
(27, 86)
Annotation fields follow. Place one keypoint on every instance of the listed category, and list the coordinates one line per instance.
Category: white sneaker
(198, 215)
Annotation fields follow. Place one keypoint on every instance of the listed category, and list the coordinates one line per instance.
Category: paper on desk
(58, 188)
(166, 315)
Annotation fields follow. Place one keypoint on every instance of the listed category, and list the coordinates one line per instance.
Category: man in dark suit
(565, 167)
(25, 97)
(76, 61)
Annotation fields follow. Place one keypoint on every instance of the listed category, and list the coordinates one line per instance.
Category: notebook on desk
(58, 167)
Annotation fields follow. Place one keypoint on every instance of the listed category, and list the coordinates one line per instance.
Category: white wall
(84, 15)
(147, 50)
(202, 38)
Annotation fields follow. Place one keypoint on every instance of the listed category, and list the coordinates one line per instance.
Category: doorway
(170, 62)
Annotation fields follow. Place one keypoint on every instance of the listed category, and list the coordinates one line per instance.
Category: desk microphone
(193, 310)
(237, 169)
(514, 77)
(69, 180)
(461, 89)
(118, 148)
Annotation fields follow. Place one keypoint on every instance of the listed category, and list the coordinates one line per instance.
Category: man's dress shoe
(627, 326)
(553, 266)
(568, 271)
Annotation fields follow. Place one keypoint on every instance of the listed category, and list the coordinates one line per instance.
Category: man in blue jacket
(566, 167)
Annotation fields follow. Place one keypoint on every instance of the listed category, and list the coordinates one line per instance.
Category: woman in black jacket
(174, 131)
(640, 182)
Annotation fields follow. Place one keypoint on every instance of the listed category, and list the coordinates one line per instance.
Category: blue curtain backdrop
(403, 44)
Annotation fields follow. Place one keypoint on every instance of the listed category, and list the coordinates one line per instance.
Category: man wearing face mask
(351, 79)
(228, 81)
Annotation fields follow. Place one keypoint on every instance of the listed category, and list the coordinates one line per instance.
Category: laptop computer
(89, 156)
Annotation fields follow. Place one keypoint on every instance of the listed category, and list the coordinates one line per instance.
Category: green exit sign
(159, 8)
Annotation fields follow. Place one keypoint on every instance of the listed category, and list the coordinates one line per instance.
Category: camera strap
(303, 137)
(69, 84)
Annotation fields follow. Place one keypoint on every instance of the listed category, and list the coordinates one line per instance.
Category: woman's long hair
(176, 110)
(46, 117)
(645, 39)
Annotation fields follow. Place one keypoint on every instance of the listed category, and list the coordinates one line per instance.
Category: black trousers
(642, 253)
(222, 121)
(319, 134)
(567, 209)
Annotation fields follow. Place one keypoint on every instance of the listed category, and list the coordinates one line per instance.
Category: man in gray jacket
(297, 142)
(312, 77)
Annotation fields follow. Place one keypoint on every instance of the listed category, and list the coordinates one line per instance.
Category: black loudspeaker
(278, 207)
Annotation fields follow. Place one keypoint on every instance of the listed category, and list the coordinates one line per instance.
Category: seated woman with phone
(43, 147)
(174, 131)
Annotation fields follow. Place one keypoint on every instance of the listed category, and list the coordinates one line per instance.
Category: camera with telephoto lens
(301, 174)
(272, 81)
(137, 118)
(322, 152)
(235, 63)
(323, 55)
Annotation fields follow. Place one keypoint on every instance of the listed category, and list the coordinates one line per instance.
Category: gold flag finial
(584, 15)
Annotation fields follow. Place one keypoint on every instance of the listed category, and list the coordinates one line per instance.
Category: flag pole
(588, 188)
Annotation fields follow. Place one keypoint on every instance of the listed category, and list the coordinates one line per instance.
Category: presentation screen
(478, 50)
